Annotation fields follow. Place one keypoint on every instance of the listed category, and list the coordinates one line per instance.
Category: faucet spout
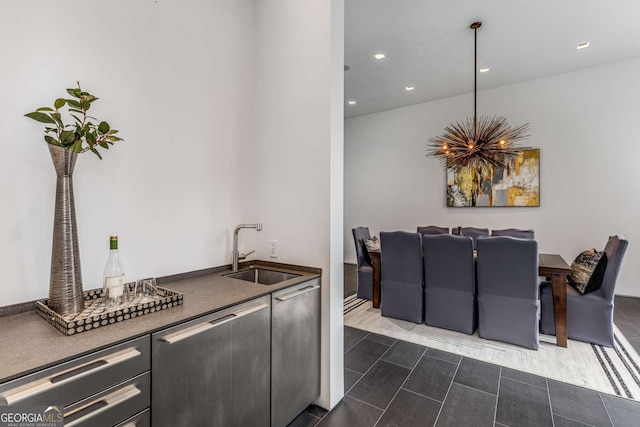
(235, 255)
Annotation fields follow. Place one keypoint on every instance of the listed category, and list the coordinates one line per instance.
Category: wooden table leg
(375, 263)
(559, 287)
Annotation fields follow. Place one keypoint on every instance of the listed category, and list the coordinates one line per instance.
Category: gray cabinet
(214, 371)
(99, 389)
(295, 375)
(143, 419)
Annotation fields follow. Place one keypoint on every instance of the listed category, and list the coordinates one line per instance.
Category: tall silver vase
(65, 285)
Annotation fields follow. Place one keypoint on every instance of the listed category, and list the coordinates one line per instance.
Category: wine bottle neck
(113, 244)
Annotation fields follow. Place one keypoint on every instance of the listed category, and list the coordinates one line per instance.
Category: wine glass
(145, 289)
(117, 295)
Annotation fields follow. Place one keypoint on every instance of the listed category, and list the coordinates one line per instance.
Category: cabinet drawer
(143, 419)
(110, 406)
(71, 381)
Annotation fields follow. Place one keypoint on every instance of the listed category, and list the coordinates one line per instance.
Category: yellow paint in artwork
(518, 197)
(517, 163)
(512, 193)
(465, 181)
(524, 166)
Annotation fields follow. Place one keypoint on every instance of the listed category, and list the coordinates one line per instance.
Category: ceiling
(428, 44)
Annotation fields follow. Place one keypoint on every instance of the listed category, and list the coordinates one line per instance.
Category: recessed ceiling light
(583, 45)
(408, 88)
(351, 102)
(484, 70)
(379, 55)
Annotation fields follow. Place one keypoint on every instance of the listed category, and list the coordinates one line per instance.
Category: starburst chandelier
(477, 143)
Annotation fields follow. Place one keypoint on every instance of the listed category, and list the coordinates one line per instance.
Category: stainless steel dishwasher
(214, 370)
(295, 329)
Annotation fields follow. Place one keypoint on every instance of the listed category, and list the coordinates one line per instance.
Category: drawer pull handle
(45, 384)
(85, 412)
(181, 335)
(296, 293)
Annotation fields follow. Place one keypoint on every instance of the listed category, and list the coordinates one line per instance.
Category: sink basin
(262, 276)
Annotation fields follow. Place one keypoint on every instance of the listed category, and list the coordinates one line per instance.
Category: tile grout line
(421, 395)
(605, 408)
(474, 389)
(400, 388)
(370, 367)
(553, 421)
(400, 366)
(365, 372)
(495, 410)
(522, 382)
(319, 419)
(366, 403)
(448, 390)
(354, 346)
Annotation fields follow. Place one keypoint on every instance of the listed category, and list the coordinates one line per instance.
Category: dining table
(549, 265)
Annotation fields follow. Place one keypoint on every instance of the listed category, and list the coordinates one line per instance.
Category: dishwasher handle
(298, 292)
(202, 327)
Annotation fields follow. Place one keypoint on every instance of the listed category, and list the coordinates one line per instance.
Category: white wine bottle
(113, 284)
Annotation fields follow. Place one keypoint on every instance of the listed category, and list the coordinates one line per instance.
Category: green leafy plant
(84, 134)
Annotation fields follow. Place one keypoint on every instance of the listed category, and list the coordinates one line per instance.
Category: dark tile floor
(626, 316)
(390, 382)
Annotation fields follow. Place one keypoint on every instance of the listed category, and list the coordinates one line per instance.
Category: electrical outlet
(273, 252)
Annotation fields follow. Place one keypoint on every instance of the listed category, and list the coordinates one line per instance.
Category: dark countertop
(29, 343)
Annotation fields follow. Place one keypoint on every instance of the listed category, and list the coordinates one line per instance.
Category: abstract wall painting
(517, 184)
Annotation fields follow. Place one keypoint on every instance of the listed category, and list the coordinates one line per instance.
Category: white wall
(299, 153)
(177, 80)
(231, 111)
(585, 125)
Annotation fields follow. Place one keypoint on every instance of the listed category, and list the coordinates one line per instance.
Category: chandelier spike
(479, 143)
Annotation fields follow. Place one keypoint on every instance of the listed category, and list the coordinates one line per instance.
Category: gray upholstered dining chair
(449, 283)
(401, 275)
(433, 229)
(474, 233)
(508, 306)
(365, 270)
(589, 316)
(514, 232)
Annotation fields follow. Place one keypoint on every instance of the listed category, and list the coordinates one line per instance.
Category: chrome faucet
(235, 255)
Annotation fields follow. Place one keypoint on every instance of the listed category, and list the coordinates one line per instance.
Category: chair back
(448, 262)
(514, 232)
(474, 233)
(433, 230)
(360, 234)
(508, 266)
(401, 275)
(401, 257)
(615, 249)
(508, 306)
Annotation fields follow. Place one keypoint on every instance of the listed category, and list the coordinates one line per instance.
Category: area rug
(609, 370)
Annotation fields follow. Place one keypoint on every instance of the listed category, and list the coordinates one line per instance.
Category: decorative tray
(96, 314)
